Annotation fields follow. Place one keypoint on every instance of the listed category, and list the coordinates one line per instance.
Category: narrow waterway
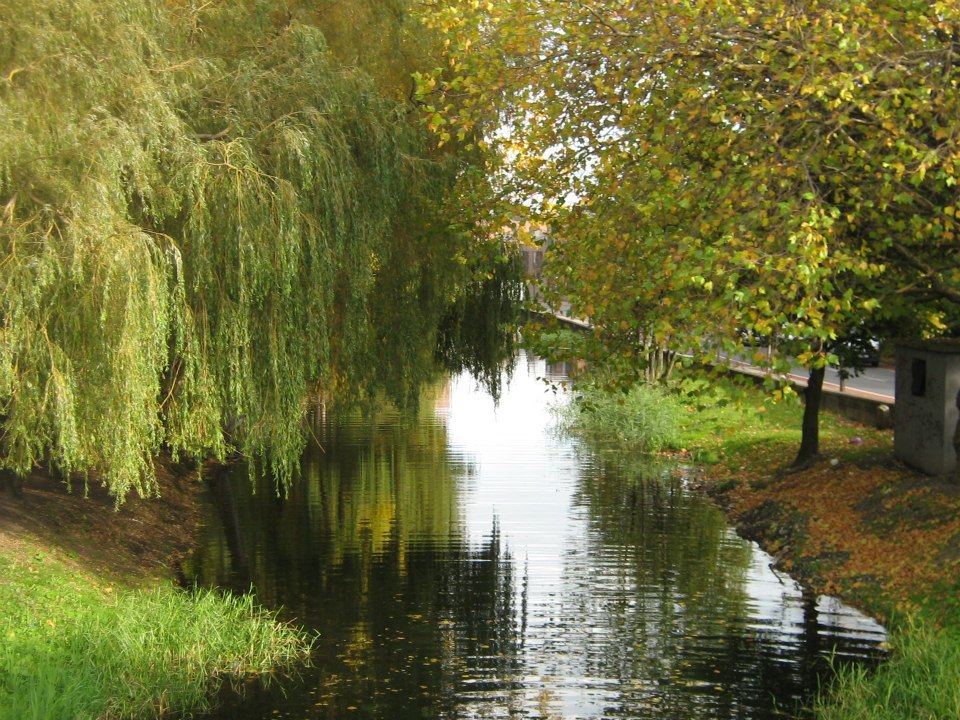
(473, 563)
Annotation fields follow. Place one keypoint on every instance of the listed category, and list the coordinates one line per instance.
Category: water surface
(475, 564)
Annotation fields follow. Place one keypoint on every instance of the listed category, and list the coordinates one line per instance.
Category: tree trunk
(810, 438)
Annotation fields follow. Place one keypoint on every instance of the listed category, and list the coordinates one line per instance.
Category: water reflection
(473, 564)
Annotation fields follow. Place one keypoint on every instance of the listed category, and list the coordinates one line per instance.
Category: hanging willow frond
(199, 208)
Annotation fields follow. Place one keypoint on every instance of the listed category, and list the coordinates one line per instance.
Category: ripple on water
(481, 566)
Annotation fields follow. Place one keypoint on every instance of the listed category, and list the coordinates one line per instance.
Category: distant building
(533, 258)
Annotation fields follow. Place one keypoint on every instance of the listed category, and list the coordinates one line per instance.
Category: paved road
(874, 383)
(878, 382)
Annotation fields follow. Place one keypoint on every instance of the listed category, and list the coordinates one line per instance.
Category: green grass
(71, 650)
(643, 419)
(725, 417)
(921, 681)
(729, 419)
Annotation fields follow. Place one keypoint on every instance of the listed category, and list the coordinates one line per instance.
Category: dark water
(473, 564)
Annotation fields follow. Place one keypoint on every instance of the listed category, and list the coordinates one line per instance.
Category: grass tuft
(71, 650)
(920, 682)
(644, 419)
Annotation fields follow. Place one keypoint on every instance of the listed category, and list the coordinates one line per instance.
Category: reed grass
(643, 419)
(72, 650)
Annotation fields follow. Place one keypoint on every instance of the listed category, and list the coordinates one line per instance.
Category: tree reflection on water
(485, 568)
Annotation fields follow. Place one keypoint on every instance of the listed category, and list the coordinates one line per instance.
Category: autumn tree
(716, 166)
(208, 218)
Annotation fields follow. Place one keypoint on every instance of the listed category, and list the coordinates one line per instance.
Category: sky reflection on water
(477, 564)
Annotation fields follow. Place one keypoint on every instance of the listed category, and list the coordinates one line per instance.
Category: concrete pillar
(927, 388)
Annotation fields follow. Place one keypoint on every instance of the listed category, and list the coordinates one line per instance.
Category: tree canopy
(715, 167)
(209, 217)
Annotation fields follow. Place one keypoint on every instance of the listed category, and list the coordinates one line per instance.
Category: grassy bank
(72, 649)
(857, 524)
(93, 627)
(921, 681)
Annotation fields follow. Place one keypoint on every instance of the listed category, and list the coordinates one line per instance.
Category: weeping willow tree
(206, 219)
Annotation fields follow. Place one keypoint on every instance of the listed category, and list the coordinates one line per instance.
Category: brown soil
(857, 523)
(142, 539)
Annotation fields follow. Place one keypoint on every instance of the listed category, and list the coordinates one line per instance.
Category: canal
(474, 563)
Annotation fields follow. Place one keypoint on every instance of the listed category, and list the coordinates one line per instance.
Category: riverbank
(856, 524)
(95, 626)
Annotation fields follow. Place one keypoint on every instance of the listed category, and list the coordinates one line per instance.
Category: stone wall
(863, 410)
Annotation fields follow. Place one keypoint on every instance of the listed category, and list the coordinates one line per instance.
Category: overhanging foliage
(718, 167)
(201, 215)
